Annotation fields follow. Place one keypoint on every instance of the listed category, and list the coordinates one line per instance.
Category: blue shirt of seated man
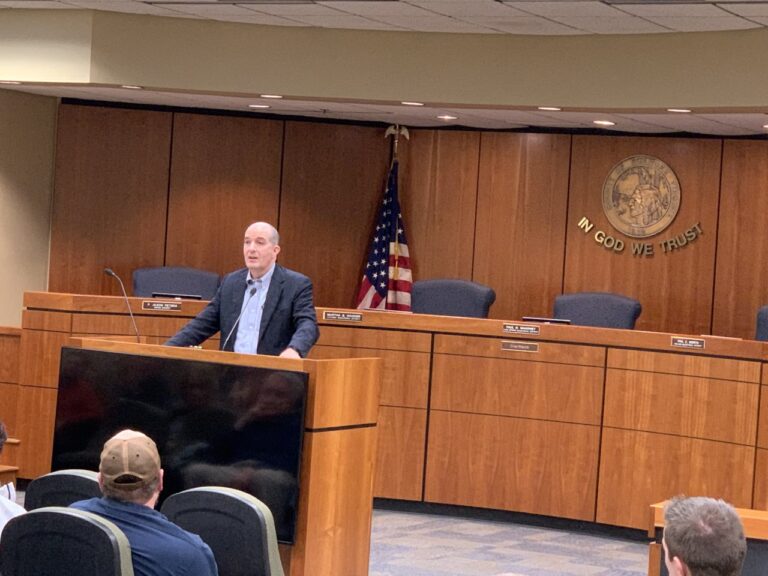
(131, 479)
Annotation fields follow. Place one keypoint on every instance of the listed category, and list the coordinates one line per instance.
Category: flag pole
(395, 131)
(387, 277)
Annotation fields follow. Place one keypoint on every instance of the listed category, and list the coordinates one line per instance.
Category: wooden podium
(339, 452)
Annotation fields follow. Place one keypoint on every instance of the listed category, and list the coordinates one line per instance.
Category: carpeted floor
(416, 544)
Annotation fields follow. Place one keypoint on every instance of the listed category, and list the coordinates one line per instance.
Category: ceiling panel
(694, 123)
(376, 8)
(626, 24)
(690, 17)
(566, 9)
(533, 25)
(229, 13)
(342, 20)
(675, 10)
(433, 23)
(748, 9)
(127, 6)
(693, 24)
(37, 4)
(293, 10)
(467, 8)
(749, 122)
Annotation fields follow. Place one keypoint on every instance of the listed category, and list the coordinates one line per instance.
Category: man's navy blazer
(288, 319)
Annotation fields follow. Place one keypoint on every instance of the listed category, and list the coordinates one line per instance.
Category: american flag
(387, 279)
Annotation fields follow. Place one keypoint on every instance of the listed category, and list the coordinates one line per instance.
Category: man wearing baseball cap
(131, 479)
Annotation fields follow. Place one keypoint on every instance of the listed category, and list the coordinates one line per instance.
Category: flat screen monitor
(214, 424)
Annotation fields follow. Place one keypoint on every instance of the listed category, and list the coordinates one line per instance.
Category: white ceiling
(555, 17)
(531, 17)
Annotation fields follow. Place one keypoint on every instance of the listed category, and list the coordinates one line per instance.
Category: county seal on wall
(641, 196)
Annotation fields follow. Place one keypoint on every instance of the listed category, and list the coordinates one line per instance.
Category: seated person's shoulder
(200, 560)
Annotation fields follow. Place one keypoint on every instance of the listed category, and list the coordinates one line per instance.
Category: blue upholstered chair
(64, 542)
(174, 280)
(761, 332)
(61, 488)
(603, 309)
(238, 527)
(452, 298)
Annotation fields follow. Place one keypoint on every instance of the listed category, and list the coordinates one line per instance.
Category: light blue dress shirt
(247, 340)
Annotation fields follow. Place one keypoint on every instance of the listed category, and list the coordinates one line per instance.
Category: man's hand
(290, 353)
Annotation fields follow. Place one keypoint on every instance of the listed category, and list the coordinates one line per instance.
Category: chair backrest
(603, 309)
(761, 330)
(61, 488)
(175, 280)
(64, 542)
(237, 526)
(452, 298)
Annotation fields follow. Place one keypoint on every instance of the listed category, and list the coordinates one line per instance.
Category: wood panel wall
(110, 196)
(225, 174)
(139, 187)
(333, 179)
(438, 197)
(675, 288)
(521, 210)
(741, 282)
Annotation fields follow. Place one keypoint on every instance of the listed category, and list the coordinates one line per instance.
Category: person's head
(261, 246)
(3, 436)
(702, 537)
(130, 468)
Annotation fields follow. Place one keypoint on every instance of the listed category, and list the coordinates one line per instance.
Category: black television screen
(214, 424)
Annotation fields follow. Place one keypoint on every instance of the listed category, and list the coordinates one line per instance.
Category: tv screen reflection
(214, 424)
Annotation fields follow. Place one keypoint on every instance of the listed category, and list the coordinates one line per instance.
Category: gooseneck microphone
(110, 272)
(251, 292)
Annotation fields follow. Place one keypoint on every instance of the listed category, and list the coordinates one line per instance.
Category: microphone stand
(110, 272)
(245, 307)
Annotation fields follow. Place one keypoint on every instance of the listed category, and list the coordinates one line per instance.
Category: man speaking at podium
(261, 309)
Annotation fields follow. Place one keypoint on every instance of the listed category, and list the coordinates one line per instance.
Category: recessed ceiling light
(274, 96)
(406, 103)
(447, 117)
(604, 123)
(765, 125)
(550, 108)
(679, 110)
(258, 106)
(9, 82)
(131, 87)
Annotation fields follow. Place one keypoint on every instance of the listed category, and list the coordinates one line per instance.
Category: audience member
(131, 479)
(8, 506)
(702, 537)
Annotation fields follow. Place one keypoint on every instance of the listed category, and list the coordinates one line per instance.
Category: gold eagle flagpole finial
(396, 130)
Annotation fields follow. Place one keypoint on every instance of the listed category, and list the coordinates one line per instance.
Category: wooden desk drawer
(685, 364)
(540, 390)
(512, 464)
(537, 351)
